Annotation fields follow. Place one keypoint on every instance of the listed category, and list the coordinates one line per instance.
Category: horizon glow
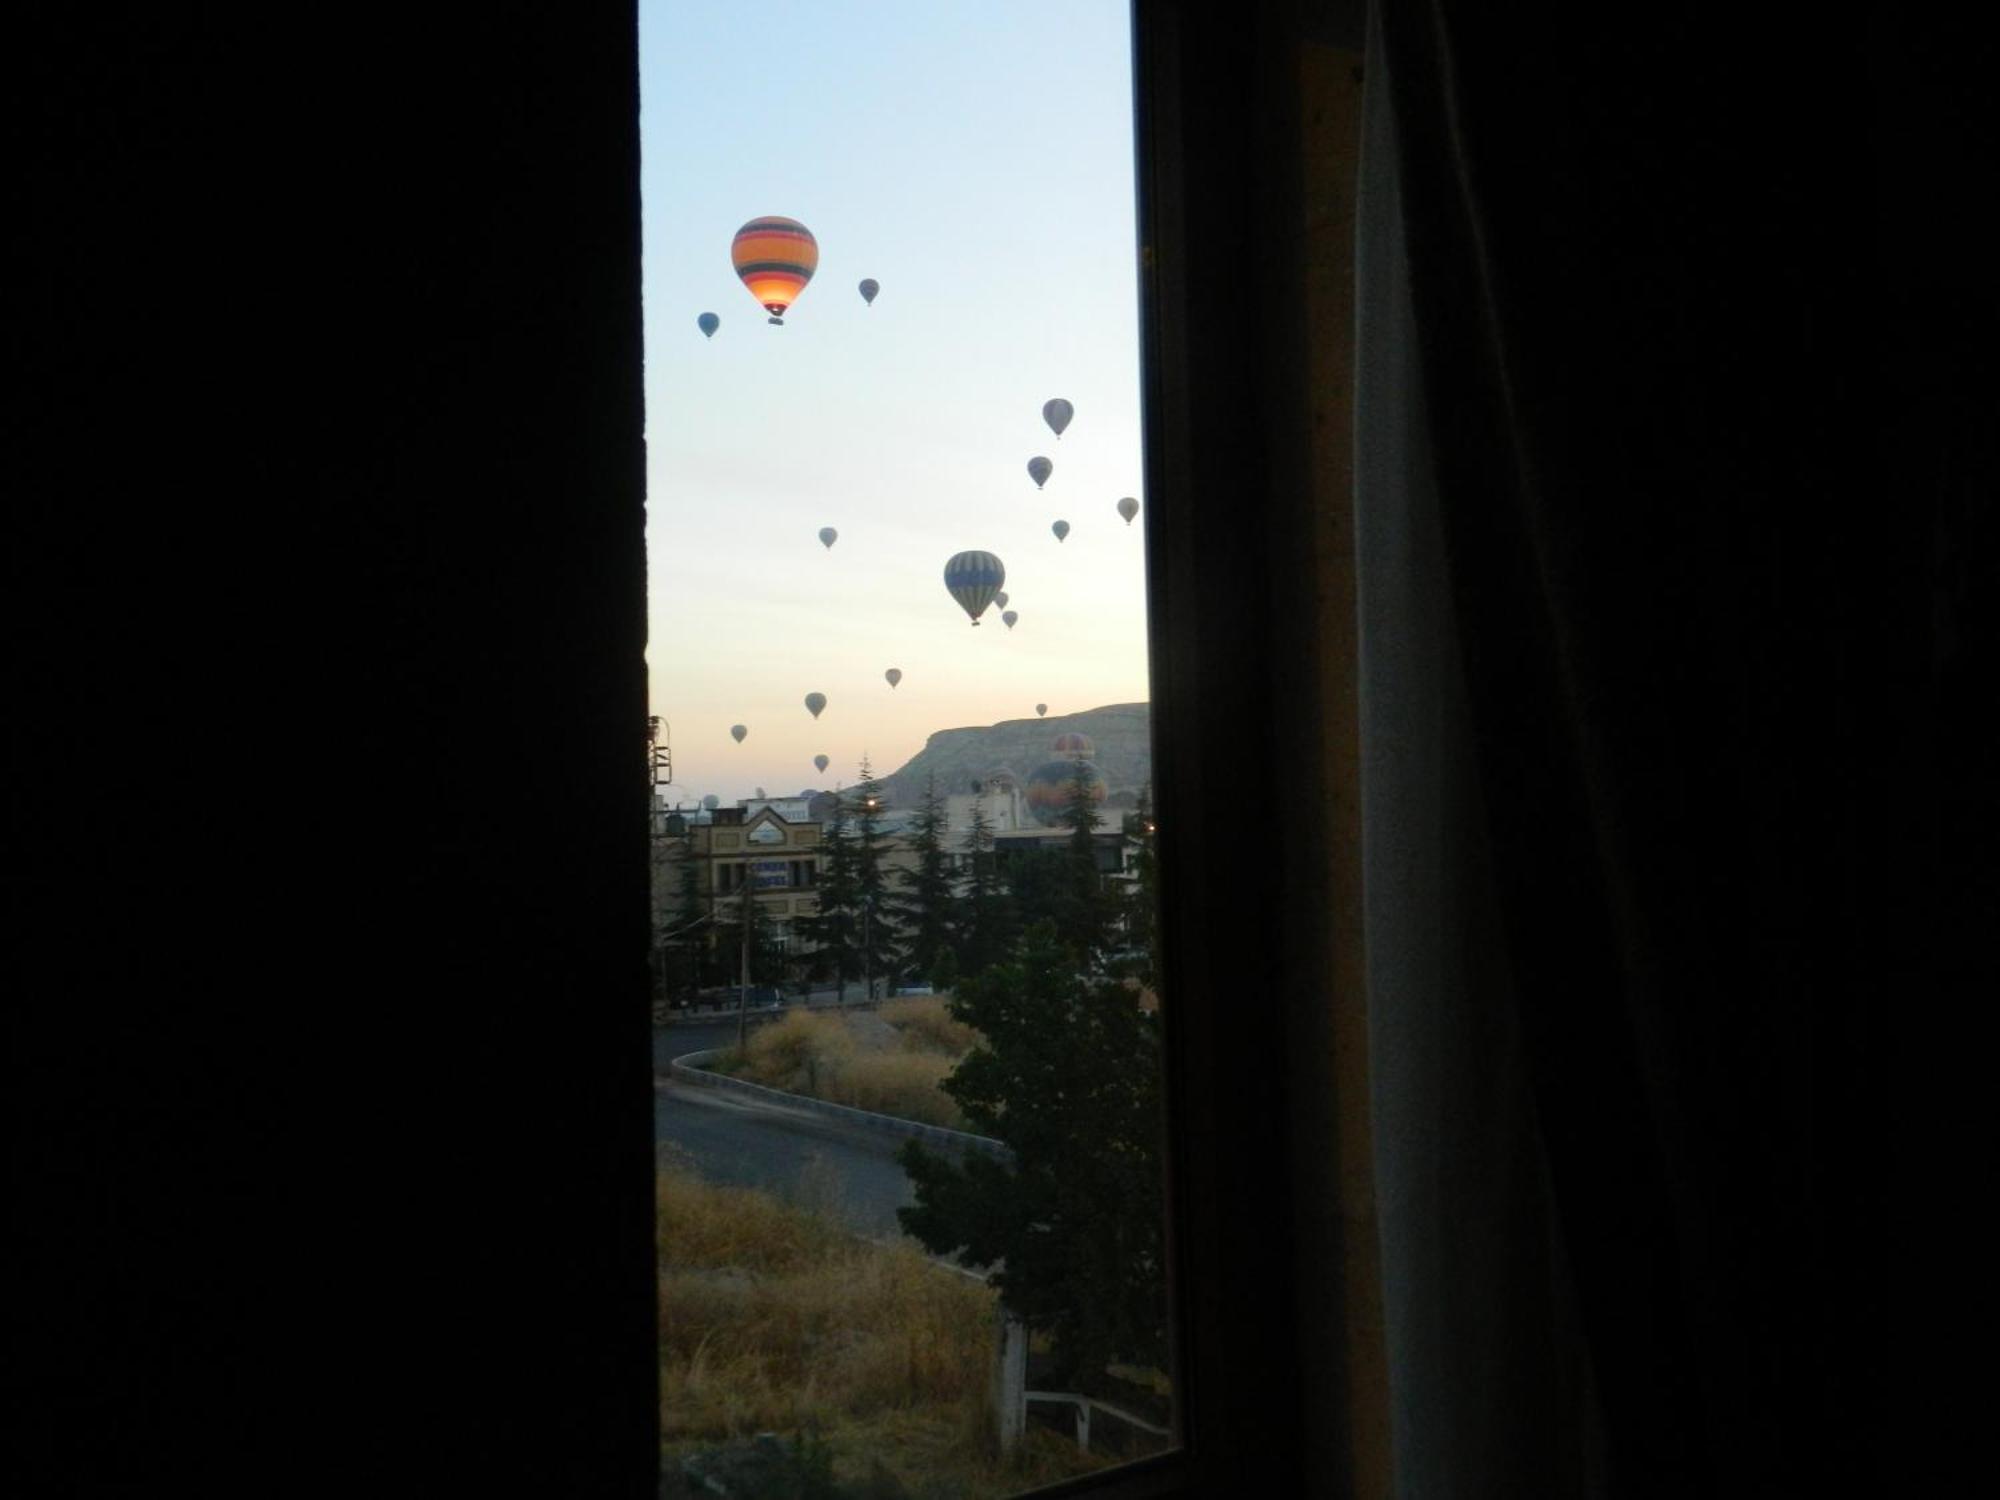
(978, 163)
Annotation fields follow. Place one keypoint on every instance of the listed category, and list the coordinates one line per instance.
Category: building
(702, 859)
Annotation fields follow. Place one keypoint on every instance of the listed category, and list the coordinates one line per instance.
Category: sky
(976, 159)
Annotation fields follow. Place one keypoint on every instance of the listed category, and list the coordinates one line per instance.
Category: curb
(692, 1068)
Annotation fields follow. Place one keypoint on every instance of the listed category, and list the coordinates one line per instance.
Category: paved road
(802, 1157)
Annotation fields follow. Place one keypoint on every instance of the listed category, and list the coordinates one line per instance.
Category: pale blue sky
(976, 160)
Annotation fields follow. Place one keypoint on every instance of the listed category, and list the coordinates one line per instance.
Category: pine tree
(1085, 909)
(1142, 908)
(982, 929)
(877, 935)
(767, 959)
(1068, 1075)
(834, 928)
(923, 901)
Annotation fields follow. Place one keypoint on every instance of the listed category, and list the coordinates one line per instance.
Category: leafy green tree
(1067, 1075)
(924, 899)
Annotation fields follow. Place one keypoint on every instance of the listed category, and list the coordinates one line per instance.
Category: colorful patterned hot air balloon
(894, 674)
(1057, 414)
(1039, 469)
(1049, 788)
(736, 732)
(820, 763)
(869, 288)
(708, 323)
(1075, 744)
(1061, 529)
(1128, 508)
(814, 703)
(973, 578)
(1041, 709)
(828, 536)
(775, 258)
(1008, 617)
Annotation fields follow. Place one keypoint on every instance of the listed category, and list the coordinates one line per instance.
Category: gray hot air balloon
(1039, 469)
(1057, 414)
(711, 802)
(1061, 529)
(814, 703)
(973, 578)
(760, 794)
(820, 763)
(1008, 617)
(736, 732)
(1040, 709)
(894, 674)
(869, 288)
(708, 323)
(1001, 598)
(828, 536)
(1128, 508)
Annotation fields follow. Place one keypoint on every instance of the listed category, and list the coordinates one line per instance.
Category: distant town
(884, 883)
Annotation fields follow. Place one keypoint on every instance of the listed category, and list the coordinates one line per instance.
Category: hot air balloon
(1061, 529)
(708, 323)
(828, 536)
(775, 257)
(1049, 788)
(894, 674)
(1075, 744)
(1128, 508)
(1040, 709)
(760, 794)
(711, 802)
(1008, 617)
(1057, 414)
(814, 703)
(973, 578)
(820, 763)
(1001, 598)
(1039, 469)
(869, 288)
(736, 732)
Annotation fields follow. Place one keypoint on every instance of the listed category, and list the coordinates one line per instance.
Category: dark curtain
(1658, 616)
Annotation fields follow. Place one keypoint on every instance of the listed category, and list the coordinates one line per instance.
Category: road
(802, 1157)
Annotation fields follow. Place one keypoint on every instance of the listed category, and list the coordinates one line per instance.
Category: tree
(923, 902)
(1142, 906)
(1067, 1074)
(686, 932)
(1084, 915)
(834, 928)
(877, 935)
(983, 927)
(767, 958)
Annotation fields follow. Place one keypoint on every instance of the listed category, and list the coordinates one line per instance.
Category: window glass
(898, 601)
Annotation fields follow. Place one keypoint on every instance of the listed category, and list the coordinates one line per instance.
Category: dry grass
(855, 1061)
(927, 1025)
(774, 1320)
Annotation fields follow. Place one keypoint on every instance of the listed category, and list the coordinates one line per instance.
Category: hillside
(1122, 732)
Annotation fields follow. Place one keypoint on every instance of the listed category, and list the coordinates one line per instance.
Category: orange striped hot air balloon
(775, 258)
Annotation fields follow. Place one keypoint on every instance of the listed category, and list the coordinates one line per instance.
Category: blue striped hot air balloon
(973, 578)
